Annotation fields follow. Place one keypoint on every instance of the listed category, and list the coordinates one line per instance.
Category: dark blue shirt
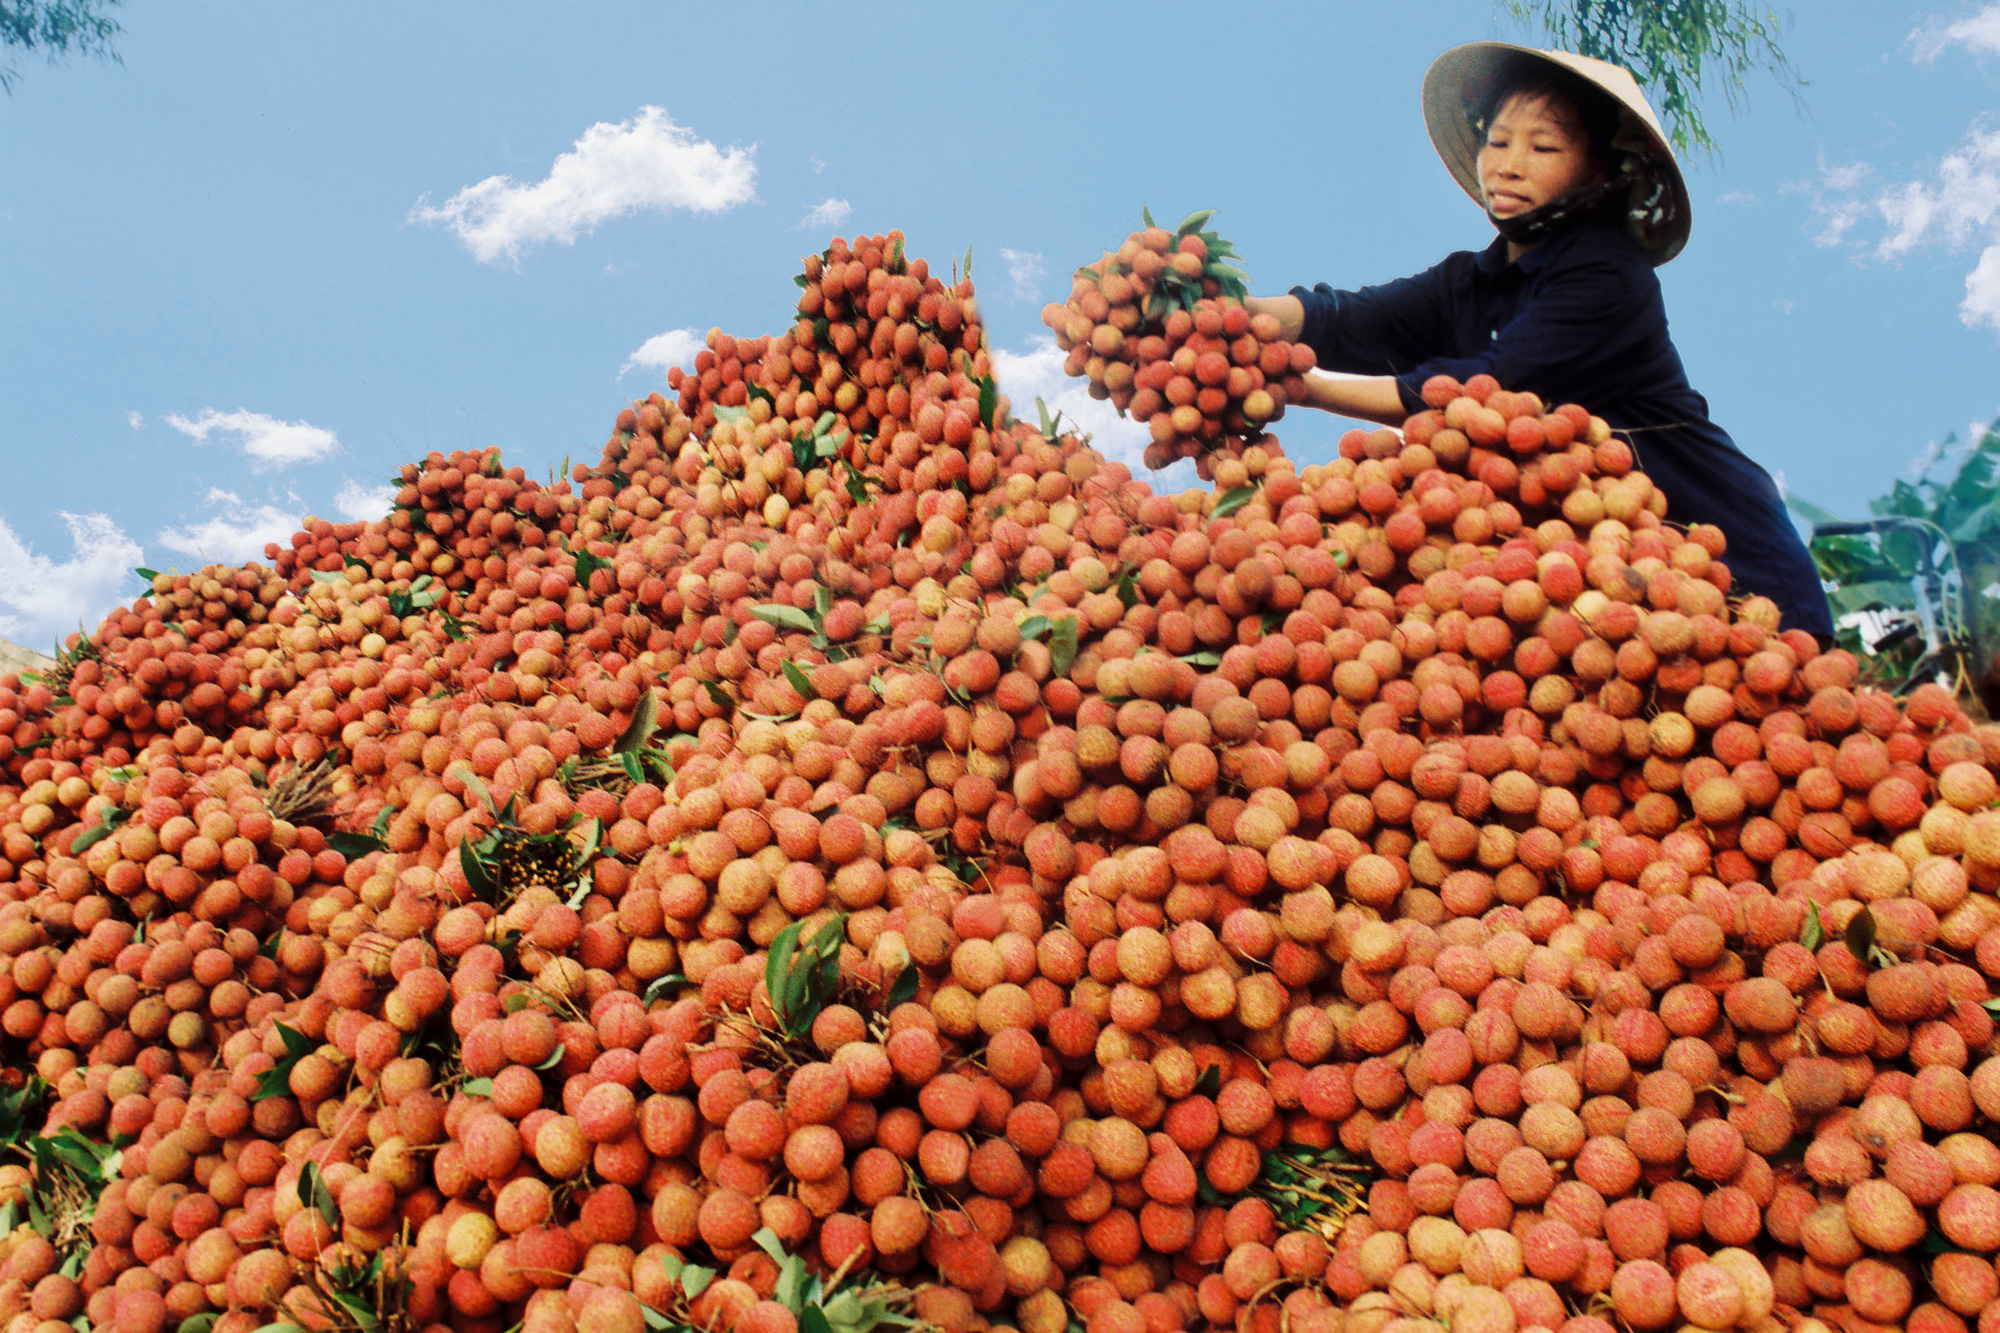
(1578, 319)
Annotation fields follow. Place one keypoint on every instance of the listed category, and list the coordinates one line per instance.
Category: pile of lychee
(894, 865)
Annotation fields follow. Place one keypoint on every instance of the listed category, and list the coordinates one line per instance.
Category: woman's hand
(1289, 311)
(1362, 397)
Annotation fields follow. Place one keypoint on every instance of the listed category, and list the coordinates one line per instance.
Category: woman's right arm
(1374, 332)
(1358, 335)
(1376, 398)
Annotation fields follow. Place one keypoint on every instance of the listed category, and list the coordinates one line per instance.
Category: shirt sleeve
(1566, 342)
(1381, 330)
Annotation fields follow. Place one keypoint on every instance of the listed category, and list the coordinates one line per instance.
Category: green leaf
(1193, 222)
(660, 986)
(798, 680)
(695, 1280)
(968, 263)
(778, 962)
(1210, 1082)
(904, 988)
(1063, 645)
(766, 1240)
(589, 565)
(98, 832)
(592, 840)
(1207, 658)
(1034, 627)
(1860, 934)
(719, 696)
(785, 617)
(353, 846)
(1232, 501)
(477, 1087)
(296, 1043)
(989, 400)
(812, 1319)
(1146, 216)
(147, 574)
(645, 721)
(478, 788)
(198, 1323)
(477, 877)
(555, 1056)
(794, 1286)
(313, 1193)
(756, 391)
(280, 1328)
(731, 413)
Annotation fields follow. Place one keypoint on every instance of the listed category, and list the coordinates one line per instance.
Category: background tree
(54, 28)
(1932, 543)
(1679, 49)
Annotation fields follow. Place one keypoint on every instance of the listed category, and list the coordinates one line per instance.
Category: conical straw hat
(1459, 82)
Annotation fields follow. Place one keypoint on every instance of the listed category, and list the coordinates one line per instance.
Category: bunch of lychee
(1159, 328)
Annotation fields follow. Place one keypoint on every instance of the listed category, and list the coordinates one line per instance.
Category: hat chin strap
(1648, 207)
(1531, 226)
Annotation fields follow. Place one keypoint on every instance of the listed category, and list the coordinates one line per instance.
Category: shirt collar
(1492, 261)
(1493, 258)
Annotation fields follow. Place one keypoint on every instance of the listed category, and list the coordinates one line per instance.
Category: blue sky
(281, 248)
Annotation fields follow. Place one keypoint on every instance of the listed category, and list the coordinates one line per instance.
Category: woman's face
(1535, 152)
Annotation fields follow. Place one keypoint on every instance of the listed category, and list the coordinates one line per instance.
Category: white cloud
(1835, 209)
(1963, 205)
(358, 502)
(1737, 197)
(42, 599)
(817, 165)
(1982, 290)
(1957, 210)
(1024, 270)
(1978, 32)
(675, 347)
(826, 213)
(237, 533)
(269, 442)
(1037, 372)
(135, 421)
(648, 162)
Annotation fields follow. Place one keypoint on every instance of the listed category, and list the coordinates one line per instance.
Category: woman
(1571, 167)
